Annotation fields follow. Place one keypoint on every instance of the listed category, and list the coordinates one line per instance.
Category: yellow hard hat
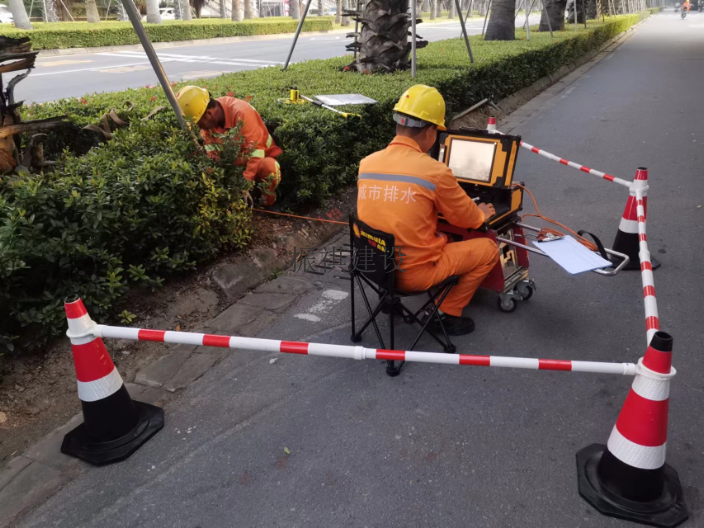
(193, 101)
(424, 103)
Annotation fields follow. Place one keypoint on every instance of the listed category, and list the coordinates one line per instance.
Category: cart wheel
(506, 307)
(526, 292)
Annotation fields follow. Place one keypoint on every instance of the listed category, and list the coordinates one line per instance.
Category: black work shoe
(455, 326)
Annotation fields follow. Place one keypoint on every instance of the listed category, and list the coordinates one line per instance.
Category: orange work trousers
(472, 260)
(269, 171)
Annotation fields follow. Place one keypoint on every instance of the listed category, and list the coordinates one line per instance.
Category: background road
(445, 446)
(77, 75)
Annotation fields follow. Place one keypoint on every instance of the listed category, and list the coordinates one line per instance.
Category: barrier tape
(652, 319)
(357, 352)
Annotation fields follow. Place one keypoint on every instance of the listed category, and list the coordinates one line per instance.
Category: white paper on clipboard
(344, 99)
(572, 256)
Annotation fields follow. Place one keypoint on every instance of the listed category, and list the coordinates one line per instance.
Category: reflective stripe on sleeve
(269, 141)
(397, 178)
(258, 153)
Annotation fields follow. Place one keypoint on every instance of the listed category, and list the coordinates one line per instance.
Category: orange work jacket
(400, 191)
(253, 129)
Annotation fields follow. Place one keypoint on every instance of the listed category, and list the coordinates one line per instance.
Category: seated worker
(685, 6)
(215, 116)
(400, 191)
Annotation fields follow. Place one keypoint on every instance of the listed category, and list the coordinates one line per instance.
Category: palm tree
(197, 6)
(501, 24)
(320, 7)
(555, 9)
(383, 45)
(153, 16)
(237, 10)
(433, 6)
(92, 12)
(248, 9)
(338, 11)
(19, 15)
(295, 9)
(451, 11)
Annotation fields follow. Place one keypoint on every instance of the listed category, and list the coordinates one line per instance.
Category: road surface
(444, 446)
(77, 75)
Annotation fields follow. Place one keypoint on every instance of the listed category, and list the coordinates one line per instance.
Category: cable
(300, 217)
(586, 243)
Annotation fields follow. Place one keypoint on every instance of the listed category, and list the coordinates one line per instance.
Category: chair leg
(372, 316)
(391, 370)
(354, 336)
(447, 346)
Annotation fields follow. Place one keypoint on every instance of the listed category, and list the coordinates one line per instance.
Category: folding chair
(374, 261)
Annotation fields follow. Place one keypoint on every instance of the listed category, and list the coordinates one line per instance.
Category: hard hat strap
(405, 120)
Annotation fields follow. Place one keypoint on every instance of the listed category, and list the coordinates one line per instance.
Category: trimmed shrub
(59, 35)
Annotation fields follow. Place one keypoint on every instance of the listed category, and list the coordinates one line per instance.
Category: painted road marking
(127, 69)
(60, 63)
(200, 74)
(251, 63)
(329, 299)
(96, 69)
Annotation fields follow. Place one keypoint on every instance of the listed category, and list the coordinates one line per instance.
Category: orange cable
(301, 217)
(586, 243)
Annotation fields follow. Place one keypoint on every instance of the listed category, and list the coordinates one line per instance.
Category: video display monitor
(471, 160)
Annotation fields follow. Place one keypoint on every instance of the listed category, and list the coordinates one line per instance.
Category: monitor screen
(471, 160)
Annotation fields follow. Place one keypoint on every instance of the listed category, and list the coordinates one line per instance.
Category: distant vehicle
(6, 15)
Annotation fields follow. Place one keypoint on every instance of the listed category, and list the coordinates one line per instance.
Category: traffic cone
(114, 426)
(491, 126)
(628, 478)
(627, 240)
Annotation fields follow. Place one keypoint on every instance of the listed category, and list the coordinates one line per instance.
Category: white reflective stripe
(117, 332)
(80, 325)
(628, 226)
(635, 455)
(83, 340)
(431, 357)
(606, 368)
(186, 338)
(341, 351)
(651, 389)
(651, 306)
(527, 363)
(269, 141)
(650, 333)
(89, 391)
(258, 153)
(252, 343)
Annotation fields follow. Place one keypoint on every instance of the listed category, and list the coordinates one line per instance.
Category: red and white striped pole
(358, 352)
(652, 318)
(491, 128)
(628, 478)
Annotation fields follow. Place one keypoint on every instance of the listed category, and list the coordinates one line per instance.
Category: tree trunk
(19, 14)
(580, 12)
(50, 11)
(592, 9)
(153, 16)
(338, 11)
(121, 13)
(555, 9)
(248, 11)
(350, 5)
(295, 9)
(433, 9)
(237, 10)
(451, 10)
(320, 7)
(501, 25)
(185, 10)
(92, 12)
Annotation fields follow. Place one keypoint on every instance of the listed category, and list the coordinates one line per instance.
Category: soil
(38, 390)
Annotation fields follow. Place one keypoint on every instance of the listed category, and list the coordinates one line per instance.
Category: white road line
(96, 68)
(194, 58)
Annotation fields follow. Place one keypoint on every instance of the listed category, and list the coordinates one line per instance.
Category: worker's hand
(487, 209)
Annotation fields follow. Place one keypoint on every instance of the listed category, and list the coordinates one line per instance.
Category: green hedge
(61, 35)
(321, 155)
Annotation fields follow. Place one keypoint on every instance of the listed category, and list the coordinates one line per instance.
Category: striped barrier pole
(355, 352)
(491, 128)
(652, 319)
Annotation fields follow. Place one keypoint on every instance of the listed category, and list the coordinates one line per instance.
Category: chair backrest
(372, 253)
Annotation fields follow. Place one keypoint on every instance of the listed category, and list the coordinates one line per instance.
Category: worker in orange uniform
(685, 6)
(216, 116)
(400, 191)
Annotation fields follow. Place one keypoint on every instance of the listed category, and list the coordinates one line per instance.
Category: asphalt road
(76, 75)
(458, 446)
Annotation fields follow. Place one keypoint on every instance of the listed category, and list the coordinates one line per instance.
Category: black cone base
(628, 243)
(78, 444)
(667, 511)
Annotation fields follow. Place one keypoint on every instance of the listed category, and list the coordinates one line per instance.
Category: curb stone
(33, 476)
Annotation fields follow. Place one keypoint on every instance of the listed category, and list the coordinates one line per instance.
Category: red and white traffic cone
(114, 426)
(491, 126)
(628, 478)
(627, 235)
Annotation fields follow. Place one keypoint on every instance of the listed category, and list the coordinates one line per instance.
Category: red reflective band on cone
(92, 361)
(652, 323)
(151, 335)
(554, 364)
(492, 120)
(643, 422)
(649, 290)
(293, 347)
(75, 310)
(393, 355)
(216, 341)
(479, 361)
(658, 361)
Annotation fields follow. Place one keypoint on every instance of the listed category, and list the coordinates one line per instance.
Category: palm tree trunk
(248, 10)
(237, 10)
(153, 16)
(19, 14)
(320, 7)
(92, 12)
(50, 11)
(295, 9)
(349, 4)
(338, 9)
(451, 10)
(185, 9)
(501, 24)
(433, 9)
(555, 9)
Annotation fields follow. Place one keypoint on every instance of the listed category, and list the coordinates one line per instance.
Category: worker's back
(400, 191)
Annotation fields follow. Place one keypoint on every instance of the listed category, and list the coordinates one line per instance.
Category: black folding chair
(374, 261)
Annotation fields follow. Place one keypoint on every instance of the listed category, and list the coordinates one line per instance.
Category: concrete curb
(30, 478)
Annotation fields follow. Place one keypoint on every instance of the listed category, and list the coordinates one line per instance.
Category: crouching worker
(401, 189)
(216, 116)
